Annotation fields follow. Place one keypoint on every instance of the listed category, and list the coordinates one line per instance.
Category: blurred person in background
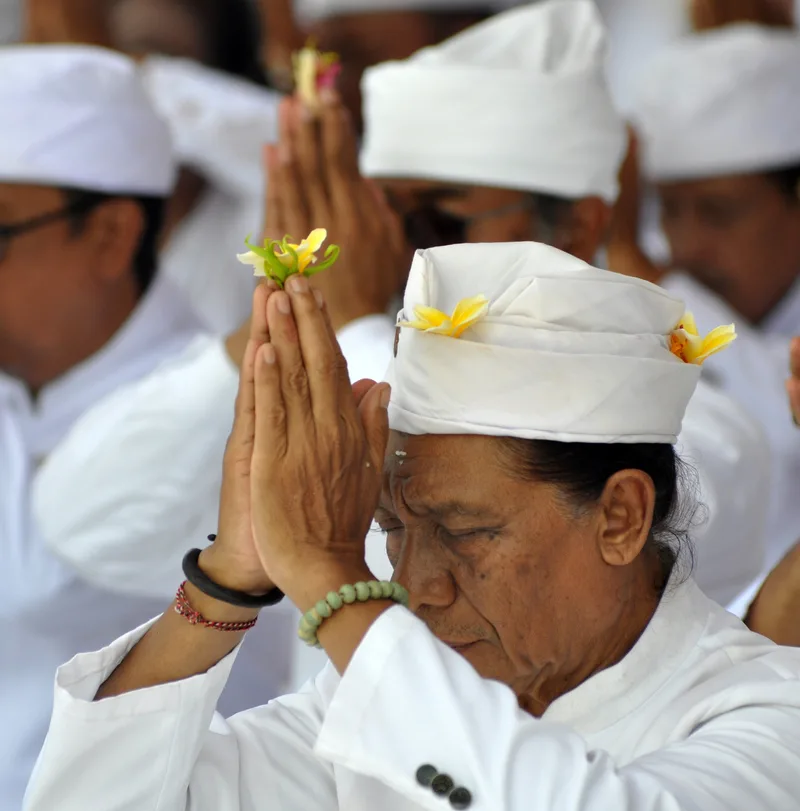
(720, 138)
(462, 153)
(366, 32)
(86, 325)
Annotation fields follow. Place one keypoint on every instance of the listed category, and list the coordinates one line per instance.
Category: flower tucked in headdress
(279, 259)
(686, 343)
(468, 312)
(314, 71)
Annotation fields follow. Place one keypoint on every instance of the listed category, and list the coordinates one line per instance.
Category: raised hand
(313, 181)
(233, 560)
(318, 452)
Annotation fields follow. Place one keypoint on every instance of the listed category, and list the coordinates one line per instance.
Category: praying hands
(313, 181)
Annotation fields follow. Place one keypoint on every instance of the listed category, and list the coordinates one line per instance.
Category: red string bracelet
(183, 607)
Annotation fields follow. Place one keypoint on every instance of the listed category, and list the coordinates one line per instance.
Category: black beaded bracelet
(201, 581)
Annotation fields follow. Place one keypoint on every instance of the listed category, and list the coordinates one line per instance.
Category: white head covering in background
(309, 11)
(721, 102)
(519, 101)
(566, 352)
(78, 116)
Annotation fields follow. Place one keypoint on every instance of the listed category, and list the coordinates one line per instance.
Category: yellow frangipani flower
(686, 343)
(468, 311)
(279, 259)
(312, 72)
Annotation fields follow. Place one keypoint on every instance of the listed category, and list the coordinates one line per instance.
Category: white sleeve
(140, 473)
(164, 749)
(728, 450)
(219, 123)
(367, 344)
(407, 700)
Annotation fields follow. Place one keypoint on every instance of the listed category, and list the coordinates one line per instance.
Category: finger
(375, 419)
(308, 148)
(285, 339)
(340, 153)
(345, 387)
(391, 221)
(271, 439)
(293, 203)
(319, 356)
(361, 388)
(794, 357)
(274, 223)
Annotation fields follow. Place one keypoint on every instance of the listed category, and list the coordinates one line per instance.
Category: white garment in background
(753, 372)
(701, 715)
(49, 609)
(10, 21)
(219, 125)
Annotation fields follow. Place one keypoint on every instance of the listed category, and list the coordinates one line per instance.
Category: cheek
(502, 229)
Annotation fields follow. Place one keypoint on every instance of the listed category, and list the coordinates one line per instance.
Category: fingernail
(297, 283)
(386, 393)
(285, 153)
(284, 305)
(319, 299)
(268, 353)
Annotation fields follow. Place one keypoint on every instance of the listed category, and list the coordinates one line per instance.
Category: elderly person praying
(542, 645)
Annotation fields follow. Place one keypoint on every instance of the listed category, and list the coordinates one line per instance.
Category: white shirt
(701, 715)
(719, 440)
(753, 372)
(51, 610)
(219, 124)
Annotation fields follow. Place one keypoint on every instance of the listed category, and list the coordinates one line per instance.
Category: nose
(422, 570)
(689, 245)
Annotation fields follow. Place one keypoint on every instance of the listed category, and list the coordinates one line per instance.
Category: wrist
(216, 610)
(314, 583)
(216, 564)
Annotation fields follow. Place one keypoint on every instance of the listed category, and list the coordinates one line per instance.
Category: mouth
(460, 647)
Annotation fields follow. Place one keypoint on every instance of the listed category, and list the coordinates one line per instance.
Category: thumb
(374, 413)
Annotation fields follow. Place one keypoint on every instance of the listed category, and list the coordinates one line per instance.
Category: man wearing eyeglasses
(86, 326)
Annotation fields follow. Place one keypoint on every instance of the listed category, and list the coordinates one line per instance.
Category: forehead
(727, 186)
(20, 200)
(434, 469)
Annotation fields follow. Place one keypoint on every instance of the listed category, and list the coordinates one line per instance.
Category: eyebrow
(440, 193)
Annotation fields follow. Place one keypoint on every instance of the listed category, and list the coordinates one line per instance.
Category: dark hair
(232, 36)
(788, 181)
(145, 262)
(446, 24)
(581, 471)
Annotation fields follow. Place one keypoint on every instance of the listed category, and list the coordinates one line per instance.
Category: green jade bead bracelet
(360, 592)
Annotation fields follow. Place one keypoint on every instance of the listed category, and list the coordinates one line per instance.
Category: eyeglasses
(429, 227)
(11, 232)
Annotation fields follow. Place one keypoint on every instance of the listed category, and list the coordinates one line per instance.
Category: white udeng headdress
(78, 116)
(721, 102)
(564, 351)
(519, 101)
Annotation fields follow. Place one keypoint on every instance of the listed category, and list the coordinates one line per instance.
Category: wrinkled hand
(776, 609)
(623, 251)
(55, 21)
(232, 560)
(793, 383)
(318, 452)
(313, 181)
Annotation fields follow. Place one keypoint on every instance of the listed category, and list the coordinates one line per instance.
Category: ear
(589, 220)
(626, 515)
(115, 230)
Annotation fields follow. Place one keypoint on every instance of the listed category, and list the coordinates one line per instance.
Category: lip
(461, 646)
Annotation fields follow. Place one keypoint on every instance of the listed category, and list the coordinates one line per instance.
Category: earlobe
(626, 516)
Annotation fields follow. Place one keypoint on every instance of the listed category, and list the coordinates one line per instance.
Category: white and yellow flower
(686, 343)
(314, 71)
(279, 259)
(467, 313)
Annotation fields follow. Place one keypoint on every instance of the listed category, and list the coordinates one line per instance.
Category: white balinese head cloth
(78, 116)
(725, 101)
(519, 101)
(566, 352)
(313, 10)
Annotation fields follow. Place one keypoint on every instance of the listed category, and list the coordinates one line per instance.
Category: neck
(91, 333)
(636, 600)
